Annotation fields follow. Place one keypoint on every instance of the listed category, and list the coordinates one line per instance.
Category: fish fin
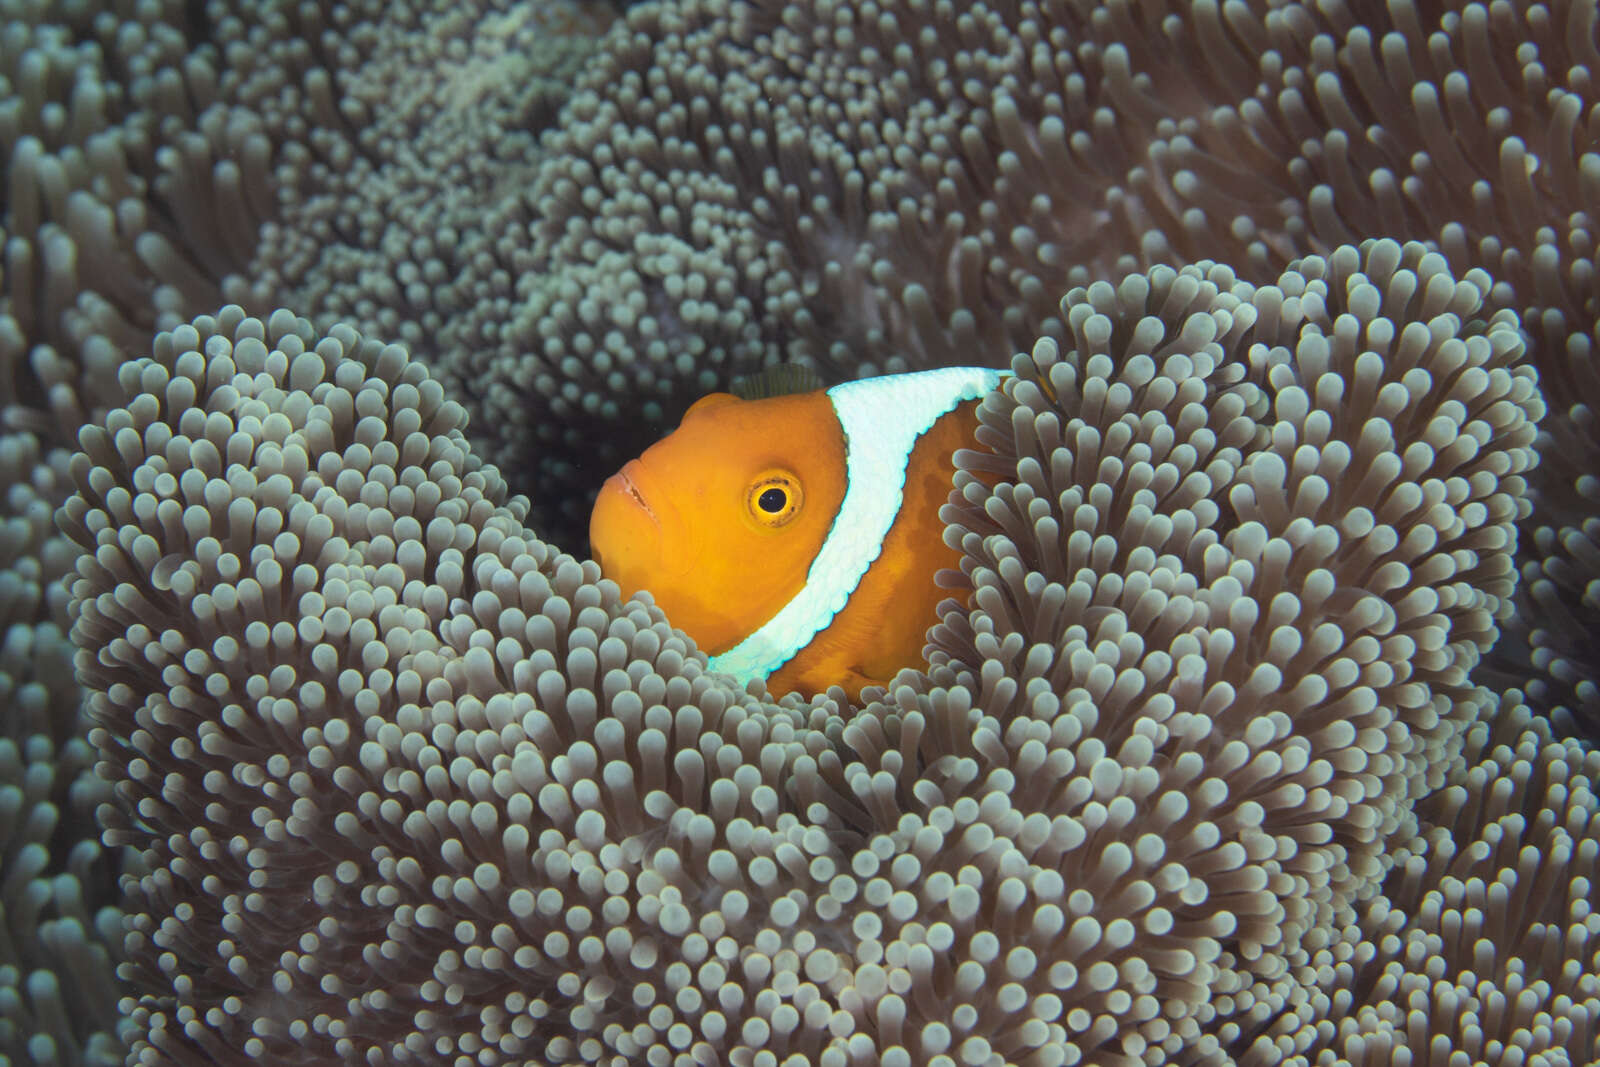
(856, 683)
(780, 379)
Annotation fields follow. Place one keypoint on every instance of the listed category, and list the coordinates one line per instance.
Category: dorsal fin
(780, 379)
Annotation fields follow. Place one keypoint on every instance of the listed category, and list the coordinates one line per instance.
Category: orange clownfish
(796, 537)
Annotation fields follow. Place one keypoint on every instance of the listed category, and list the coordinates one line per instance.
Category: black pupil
(773, 500)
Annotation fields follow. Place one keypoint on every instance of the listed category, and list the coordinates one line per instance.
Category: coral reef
(862, 186)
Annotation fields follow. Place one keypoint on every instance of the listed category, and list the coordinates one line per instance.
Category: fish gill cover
(1230, 762)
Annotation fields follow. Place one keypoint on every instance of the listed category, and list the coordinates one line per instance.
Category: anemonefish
(796, 537)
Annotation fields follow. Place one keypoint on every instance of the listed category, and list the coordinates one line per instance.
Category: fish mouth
(631, 488)
(626, 532)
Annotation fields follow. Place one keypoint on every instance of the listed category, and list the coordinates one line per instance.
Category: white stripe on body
(881, 419)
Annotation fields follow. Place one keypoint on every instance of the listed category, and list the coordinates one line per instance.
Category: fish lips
(625, 529)
(627, 482)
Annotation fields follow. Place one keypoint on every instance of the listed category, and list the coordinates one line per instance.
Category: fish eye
(773, 498)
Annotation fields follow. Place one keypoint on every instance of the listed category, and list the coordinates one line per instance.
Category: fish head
(721, 519)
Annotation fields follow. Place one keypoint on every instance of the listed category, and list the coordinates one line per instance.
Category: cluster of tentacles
(1270, 735)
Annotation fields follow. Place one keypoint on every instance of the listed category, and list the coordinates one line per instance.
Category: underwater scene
(844, 532)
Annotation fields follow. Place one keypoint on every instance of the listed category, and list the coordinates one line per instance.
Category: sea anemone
(864, 187)
(411, 785)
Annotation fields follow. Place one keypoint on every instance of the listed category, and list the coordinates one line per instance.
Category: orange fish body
(796, 538)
